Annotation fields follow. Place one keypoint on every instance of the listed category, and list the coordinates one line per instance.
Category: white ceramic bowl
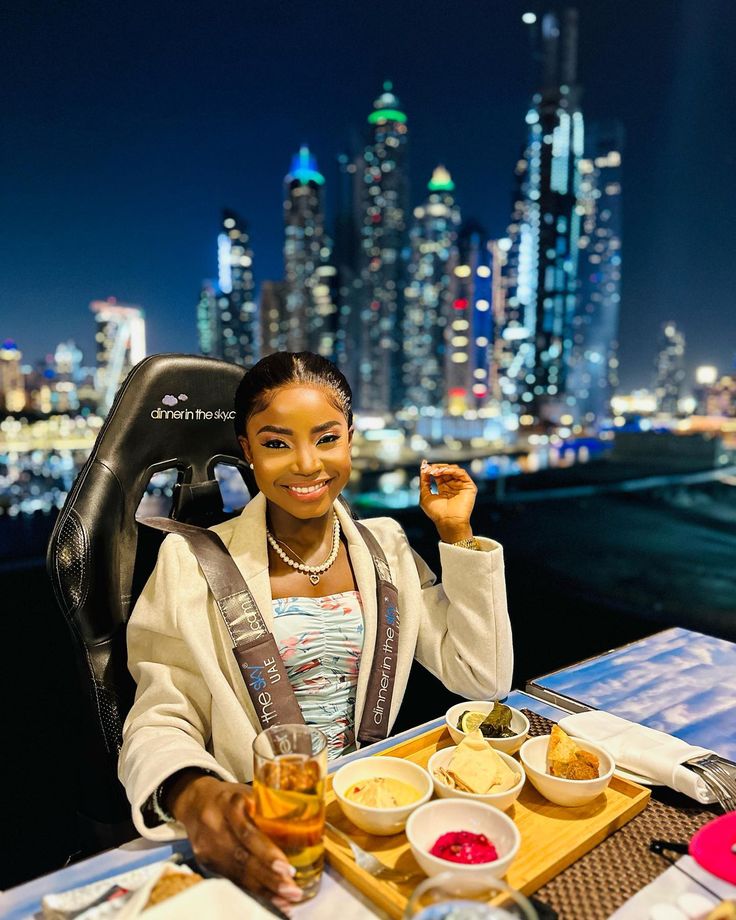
(502, 800)
(381, 821)
(519, 724)
(432, 820)
(569, 792)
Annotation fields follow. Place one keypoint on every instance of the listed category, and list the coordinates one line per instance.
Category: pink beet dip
(464, 847)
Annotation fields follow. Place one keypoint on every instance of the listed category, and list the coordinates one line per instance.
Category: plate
(637, 777)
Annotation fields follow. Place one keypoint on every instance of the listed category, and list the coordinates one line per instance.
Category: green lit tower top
(382, 202)
(387, 108)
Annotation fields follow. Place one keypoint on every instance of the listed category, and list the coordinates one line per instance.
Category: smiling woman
(347, 606)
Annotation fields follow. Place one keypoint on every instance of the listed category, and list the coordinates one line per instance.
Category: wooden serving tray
(552, 837)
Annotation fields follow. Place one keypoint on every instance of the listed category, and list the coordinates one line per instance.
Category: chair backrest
(172, 411)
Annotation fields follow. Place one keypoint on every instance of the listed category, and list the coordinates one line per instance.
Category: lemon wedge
(471, 720)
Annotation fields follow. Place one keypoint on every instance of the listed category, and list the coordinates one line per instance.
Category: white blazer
(192, 708)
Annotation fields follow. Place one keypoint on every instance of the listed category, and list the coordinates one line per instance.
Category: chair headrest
(175, 410)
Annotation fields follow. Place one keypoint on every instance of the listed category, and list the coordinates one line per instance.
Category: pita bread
(476, 767)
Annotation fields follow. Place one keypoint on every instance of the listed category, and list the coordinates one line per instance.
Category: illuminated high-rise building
(208, 321)
(515, 309)
(721, 397)
(69, 377)
(426, 308)
(120, 343)
(593, 375)
(546, 223)
(236, 306)
(382, 202)
(311, 310)
(276, 334)
(669, 369)
(469, 330)
(507, 333)
(12, 384)
(346, 258)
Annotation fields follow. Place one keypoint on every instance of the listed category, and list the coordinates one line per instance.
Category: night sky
(128, 126)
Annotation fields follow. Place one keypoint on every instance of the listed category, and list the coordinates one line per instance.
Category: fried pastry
(170, 883)
(569, 761)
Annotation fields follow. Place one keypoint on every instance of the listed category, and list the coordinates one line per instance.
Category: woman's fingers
(262, 861)
(441, 471)
(261, 876)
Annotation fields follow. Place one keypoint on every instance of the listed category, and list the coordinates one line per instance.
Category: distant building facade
(545, 226)
(120, 343)
(593, 374)
(12, 381)
(276, 334)
(669, 369)
(721, 397)
(236, 304)
(310, 302)
(469, 331)
(381, 199)
(433, 257)
(208, 322)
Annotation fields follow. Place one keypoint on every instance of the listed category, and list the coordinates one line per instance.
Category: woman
(187, 740)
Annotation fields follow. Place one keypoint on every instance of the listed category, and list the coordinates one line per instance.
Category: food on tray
(171, 882)
(568, 760)
(382, 792)
(464, 847)
(726, 910)
(476, 767)
(495, 724)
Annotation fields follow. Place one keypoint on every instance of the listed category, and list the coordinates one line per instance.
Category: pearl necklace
(313, 571)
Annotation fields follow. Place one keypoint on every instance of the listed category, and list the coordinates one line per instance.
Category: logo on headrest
(173, 400)
(199, 415)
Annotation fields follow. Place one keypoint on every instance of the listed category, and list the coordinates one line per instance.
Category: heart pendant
(314, 578)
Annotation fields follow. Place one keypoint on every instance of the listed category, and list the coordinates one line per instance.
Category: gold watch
(470, 543)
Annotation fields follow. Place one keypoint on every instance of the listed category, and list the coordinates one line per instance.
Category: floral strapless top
(320, 640)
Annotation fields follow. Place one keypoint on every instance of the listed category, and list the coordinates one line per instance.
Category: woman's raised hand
(224, 839)
(451, 507)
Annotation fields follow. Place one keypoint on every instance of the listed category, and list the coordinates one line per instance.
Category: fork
(719, 775)
(369, 863)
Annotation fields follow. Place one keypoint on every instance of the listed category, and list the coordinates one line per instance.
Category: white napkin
(642, 750)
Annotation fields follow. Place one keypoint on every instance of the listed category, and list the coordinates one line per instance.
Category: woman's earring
(250, 465)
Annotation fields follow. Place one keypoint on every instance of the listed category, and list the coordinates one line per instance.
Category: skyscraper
(469, 332)
(311, 311)
(274, 317)
(593, 374)
(669, 368)
(12, 384)
(68, 377)
(208, 322)
(237, 315)
(514, 306)
(547, 221)
(433, 257)
(120, 343)
(382, 201)
(346, 257)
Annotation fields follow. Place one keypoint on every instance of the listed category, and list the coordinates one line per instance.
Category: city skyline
(158, 278)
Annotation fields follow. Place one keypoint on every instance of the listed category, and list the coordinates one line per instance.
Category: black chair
(171, 412)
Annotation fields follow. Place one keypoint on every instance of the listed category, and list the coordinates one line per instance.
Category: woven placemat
(602, 880)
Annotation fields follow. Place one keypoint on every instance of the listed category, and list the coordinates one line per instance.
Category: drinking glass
(437, 898)
(289, 770)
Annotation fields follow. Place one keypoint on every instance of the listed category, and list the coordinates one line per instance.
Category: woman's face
(299, 446)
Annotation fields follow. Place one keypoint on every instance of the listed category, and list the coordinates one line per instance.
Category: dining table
(601, 883)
